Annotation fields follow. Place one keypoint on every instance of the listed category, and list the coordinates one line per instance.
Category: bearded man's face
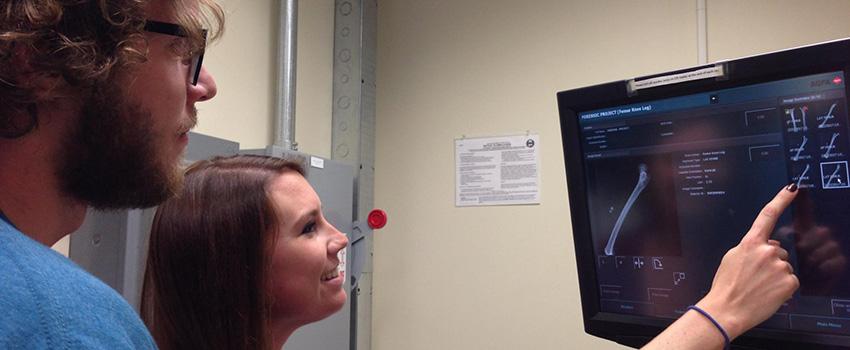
(117, 157)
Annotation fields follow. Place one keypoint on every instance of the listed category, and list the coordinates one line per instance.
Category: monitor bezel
(637, 330)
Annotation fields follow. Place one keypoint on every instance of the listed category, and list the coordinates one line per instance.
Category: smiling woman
(241, 258)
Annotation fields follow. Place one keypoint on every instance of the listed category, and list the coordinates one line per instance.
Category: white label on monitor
(705, 73)
(317, 162)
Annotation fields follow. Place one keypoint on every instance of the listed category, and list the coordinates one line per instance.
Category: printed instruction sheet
(501, 170)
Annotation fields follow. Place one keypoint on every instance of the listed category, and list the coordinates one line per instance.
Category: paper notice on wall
(497, 170)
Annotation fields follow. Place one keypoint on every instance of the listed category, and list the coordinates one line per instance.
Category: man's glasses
(176, 30)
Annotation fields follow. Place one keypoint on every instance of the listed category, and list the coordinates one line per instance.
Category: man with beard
(96, 100)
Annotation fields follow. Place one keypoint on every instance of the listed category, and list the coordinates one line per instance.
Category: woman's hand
(754, 278)
(752, 282)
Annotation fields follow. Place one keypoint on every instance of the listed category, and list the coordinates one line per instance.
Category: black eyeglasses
(176, 30)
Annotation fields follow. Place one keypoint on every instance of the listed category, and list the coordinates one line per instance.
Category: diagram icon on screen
(827, 118)
(796, 121)
(834, 175)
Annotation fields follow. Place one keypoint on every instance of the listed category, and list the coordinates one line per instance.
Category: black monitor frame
(636, 331)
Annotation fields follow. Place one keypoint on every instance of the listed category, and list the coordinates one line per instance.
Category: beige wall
(315, 76)
(741, 28)
(504, 277)
(492, 277)
(245, 68)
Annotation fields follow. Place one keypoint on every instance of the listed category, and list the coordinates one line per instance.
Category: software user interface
(672, 184)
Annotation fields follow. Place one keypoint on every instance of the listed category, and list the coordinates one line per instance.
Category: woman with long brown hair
(241, 258)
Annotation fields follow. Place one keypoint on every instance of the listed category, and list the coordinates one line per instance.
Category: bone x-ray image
(633, 206)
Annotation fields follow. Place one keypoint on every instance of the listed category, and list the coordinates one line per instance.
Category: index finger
(766, 220)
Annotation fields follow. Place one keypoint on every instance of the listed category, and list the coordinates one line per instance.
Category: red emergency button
(377, 219)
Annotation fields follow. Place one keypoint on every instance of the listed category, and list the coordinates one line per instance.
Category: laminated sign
(501, 170)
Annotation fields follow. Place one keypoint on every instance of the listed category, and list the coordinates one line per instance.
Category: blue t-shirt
(48, 302)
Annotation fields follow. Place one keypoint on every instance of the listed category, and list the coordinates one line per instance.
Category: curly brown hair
(83, 42)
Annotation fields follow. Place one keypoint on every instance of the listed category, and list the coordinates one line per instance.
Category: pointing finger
(766, 220)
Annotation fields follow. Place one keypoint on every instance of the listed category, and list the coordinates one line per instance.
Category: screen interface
(672, 184)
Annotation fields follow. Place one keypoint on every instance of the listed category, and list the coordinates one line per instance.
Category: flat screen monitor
(667, 172)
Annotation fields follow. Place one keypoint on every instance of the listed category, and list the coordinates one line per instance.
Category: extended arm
(752, 282)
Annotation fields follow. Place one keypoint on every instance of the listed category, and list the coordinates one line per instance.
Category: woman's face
(305, 282)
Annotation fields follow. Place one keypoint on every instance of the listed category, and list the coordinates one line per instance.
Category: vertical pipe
(702, 33)
(286, 62)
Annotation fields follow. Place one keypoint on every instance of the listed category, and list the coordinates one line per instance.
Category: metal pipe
(702, 33)
(286, 62)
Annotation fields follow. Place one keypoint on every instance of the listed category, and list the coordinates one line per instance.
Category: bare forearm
(691, 331)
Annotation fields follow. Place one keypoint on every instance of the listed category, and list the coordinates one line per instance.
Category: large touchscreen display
(672, 184)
